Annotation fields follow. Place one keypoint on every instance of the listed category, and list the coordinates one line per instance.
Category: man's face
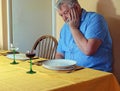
(64, 12)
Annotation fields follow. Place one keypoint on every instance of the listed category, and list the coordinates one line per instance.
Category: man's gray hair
(68, 2)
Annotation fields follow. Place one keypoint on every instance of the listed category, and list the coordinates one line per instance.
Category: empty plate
(59, 64)
(18, 56)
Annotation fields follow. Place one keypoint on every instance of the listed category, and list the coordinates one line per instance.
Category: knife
(76, 68)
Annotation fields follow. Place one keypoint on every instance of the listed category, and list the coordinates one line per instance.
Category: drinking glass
(13, 49)
(30, 55)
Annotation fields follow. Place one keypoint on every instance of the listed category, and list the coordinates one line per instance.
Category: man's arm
(88, 46)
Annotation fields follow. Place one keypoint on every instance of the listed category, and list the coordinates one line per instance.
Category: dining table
(15, 78)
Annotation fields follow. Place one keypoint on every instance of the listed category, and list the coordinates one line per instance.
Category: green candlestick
(31, 71)
(14, 60)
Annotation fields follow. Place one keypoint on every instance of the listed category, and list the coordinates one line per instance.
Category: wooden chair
(45, 47)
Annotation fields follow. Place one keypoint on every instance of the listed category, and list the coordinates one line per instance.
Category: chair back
(45, 47)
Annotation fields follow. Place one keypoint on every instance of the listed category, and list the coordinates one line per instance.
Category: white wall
(1, 36)
(30, 20)
(3, 23)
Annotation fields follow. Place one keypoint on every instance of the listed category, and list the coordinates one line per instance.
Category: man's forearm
(89, 47)
(79, 39)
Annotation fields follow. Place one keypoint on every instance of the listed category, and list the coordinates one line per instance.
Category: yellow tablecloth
(15, 78)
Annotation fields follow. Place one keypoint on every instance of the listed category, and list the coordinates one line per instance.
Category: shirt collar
(83, 14)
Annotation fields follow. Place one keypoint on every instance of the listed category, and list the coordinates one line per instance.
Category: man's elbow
(59, 56)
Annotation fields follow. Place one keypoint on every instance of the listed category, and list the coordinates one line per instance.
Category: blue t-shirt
(92, 25)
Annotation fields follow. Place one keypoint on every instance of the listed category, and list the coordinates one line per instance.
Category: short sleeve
(97, 27)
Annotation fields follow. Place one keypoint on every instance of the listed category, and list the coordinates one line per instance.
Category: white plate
(18, 56)
(59, 64)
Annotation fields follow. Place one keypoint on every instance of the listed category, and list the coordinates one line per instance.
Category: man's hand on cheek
(73, 18)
